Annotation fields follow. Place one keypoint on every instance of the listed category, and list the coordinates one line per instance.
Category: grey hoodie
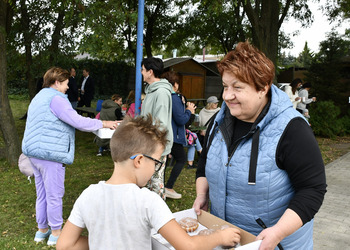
(108, 110)
(158, 103)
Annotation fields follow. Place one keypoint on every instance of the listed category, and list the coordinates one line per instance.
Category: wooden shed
(194, 76)
(288, 74)
(197, 81)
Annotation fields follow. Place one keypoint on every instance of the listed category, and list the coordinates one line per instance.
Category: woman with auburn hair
(49, 143)
(261, 167)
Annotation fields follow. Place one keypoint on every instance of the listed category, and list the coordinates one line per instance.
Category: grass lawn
(17, 197)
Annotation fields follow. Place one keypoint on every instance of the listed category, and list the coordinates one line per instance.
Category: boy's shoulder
(132, 190)
(102, 186)
(148, 192)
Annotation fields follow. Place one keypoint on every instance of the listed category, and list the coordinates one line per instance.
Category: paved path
(332, 222)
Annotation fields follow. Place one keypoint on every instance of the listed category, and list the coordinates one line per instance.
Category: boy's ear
(137, 161)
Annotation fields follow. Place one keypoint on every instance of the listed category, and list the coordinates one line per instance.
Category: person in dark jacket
(72, 92)
(87, 90)
(180, 116)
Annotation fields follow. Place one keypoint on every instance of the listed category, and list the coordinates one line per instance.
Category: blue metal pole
(139, 56)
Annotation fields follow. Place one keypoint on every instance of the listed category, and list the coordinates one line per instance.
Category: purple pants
(49, 183)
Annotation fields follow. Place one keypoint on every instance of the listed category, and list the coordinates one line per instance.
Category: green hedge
(109, 77)
(325, 120)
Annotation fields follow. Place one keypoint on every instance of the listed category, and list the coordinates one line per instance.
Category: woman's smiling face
(243, 100)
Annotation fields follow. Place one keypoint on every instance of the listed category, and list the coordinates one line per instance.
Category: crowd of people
(258, 162)
(298, 94)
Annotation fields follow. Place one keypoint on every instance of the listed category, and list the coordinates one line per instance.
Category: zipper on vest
(251, 132)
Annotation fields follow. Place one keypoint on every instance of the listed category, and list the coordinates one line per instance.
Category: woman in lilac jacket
(49, 143)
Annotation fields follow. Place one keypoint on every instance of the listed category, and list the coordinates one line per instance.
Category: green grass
(17, 196)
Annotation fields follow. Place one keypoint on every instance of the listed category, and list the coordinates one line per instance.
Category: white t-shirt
(119, 216)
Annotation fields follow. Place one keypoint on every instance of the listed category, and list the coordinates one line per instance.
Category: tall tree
(7, 123)
(66, 18)
(305, 57)
(218, 25)
(160, 18)
(266, 18)
(337, 9)
(41, 29)
(327, 72)
(111, 27)
(226, 23)
(30, 26)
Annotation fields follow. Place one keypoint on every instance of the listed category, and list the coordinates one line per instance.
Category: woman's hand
(191, 107)
(110, 124)
(270, 238)
(298, 98)
(201, 202)
(286, 225)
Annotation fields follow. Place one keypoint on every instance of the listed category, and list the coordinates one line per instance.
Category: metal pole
(139, 56)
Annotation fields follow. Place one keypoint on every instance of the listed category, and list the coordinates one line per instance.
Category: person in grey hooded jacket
(158, 103)
(111, 111)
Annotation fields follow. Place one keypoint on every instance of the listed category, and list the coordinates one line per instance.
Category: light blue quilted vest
(47, 137)
(240, 203)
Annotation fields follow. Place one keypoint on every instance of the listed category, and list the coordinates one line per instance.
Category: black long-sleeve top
(297, 153)
(118, 113)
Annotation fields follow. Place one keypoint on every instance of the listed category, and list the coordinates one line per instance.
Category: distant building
(287, 75)
(197, 80)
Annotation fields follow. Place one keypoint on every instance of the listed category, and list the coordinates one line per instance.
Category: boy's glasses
(158, 163)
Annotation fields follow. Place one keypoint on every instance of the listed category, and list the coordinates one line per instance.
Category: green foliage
(305, 57)
(325, 120)
(111, 27)
(345, 122)
(216, 25)
(110, 77)
(338, 10)
(328, 72)
(34, 23)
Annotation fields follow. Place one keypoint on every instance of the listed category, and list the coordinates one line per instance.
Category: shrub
(325, 120)
(345, 122)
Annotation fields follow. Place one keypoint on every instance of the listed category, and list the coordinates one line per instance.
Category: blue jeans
(192, 150)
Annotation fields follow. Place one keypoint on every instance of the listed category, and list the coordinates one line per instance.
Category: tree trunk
(7, 123)
(28, 48)
(56, 37)
(264, 19)
(149, 37)
(151, 21)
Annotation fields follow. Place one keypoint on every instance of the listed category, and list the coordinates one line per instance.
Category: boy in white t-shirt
(119, 213)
